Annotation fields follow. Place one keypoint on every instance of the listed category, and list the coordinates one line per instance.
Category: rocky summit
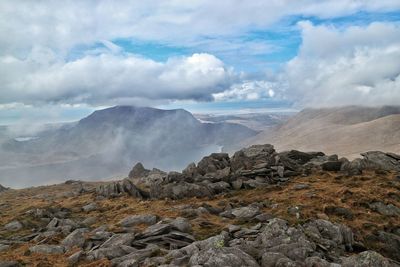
(258, 207)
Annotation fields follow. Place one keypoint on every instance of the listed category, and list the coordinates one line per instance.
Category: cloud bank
(357, 65)
(108, 79)
(50, 52)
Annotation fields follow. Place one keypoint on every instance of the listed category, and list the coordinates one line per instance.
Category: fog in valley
(107, 143)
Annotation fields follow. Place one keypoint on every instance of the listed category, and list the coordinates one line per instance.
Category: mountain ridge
(345, 131)
(114, 138)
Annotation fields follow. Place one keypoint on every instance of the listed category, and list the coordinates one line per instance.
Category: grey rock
(110, 252)
(129, 188)
(219, 187)
(233, 228)
(119, 239)
(75, 239)
(75, 258)
(390, 244)
(246, 213)
(213, 163)
(281, 171)
(13, 226)
(237, 184)
(180, 190)
(366, 258)
(246, 158)
(278, 237)
(334, 166)
(224, 256)
(354, 167)
(59, 223)
(47, 249)
(388, 210)
(2, 188)
(138, 171)
(328, 235)
(157, 229)
(190, 171)
(316, 261)
(380, 160)
(301, 186)
(132, 220)
(116, 189)
(263, 217)
(182, 225)
(134, 258)
(90, 207)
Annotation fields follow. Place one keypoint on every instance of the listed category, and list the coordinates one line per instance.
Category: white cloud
(36, 38)
(62, 25)
(357, 65)
(247, 90)
(111, 79)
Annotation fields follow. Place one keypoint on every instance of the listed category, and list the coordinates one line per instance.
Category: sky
(60, 60)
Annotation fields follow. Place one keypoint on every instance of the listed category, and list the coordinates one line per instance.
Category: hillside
(346, 131)
(109, 141)
(256, 208)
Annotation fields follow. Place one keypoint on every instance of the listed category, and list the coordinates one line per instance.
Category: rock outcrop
(221, 227)
(255, 166)
(2, 188)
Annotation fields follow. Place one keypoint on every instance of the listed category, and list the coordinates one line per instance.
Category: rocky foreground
(256, 208)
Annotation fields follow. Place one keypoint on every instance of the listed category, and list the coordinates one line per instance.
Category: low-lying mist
(109, 142)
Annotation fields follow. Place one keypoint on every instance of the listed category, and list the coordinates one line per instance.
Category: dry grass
(325, 189)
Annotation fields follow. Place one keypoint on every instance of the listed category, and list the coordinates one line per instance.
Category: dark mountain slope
(112, 139)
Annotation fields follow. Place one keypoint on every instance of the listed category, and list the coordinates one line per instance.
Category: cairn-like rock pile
(255, 166)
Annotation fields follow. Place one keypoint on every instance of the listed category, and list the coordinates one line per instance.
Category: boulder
(90, 207)
(388, 210)
(381, 160)
(138, 171)
(115, 189)
(75, 258)
(135, 257)
(245, 213)
(390, 244)
(333, 166)
(119, 239)
(182, 225)
(222, 256)
(219, 187)
(75, 239)
(47, 249)
(133, 220)
(2, 188)
(213, 163)
(354, 167)
(180, 190)
(13, 226)
(366, 258)
(110, 252)
(190, 172)
(248, 157)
